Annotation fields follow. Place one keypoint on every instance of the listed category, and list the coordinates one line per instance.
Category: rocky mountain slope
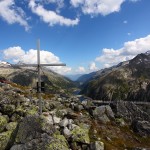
(28, 77)
(85, 77)
(127, 81)
(68, 124)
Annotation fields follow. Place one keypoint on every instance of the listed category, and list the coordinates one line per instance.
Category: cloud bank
(51, 17)
(11, 13)
(95, 7)
(17, 54)
(109, 56)
(129, 50)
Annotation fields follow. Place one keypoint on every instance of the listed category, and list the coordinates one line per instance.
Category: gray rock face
(97, 145)
(64, 122)
(66, 132)
(35, 132)
(78, 107)
(32, 127)
(130, 111)
(18, 147)
(80, 134)
(5, 138)
(56, 119)
(3, 123)
(103, 113)
(141, 127)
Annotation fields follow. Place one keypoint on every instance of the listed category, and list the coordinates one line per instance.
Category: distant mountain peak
(4, 64)
(141, 59)
(148, 52)
(20, 63)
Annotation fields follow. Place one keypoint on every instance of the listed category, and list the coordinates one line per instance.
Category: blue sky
(87, 35)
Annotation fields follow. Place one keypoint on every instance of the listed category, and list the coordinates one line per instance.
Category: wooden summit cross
(39, 65)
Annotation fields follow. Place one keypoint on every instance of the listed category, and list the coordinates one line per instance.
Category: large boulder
(80, 134)
(141, 127)
(8, 109)
(32, 127)
(58, 143)
(97, 145)
(45, 142)
(7, 137)
(3, 123)
(103, 113)
(11, 126)
(130, 111)
(64, 122)
(36, 132)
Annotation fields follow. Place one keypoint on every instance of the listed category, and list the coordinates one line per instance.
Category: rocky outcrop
(103, 113)
(139, 119)
(32, 130)
(3, 122)
(66, 123)
(129, 111)
(97, 145)
(141, 127)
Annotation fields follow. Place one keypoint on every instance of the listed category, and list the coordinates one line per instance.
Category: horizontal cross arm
(35, 65)
(53, 64)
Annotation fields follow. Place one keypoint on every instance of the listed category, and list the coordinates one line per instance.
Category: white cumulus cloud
(95, 7)
(51, 17)
(92, 66)
(16, 54)
(80, 70)
(59, 3)
(13, 14)
(134, 0)
(13, 53)
(130, 49)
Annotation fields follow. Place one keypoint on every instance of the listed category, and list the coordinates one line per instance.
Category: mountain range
(27, 76)
(129, 80)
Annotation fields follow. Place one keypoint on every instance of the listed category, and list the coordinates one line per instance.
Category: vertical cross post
(39, 77)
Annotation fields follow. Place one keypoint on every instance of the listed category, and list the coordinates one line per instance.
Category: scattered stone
(66, 132)
(78, 107)
(3, 123)
(61, 113)
(5, 139)
(141, 127)
(64, 122)
(56, 119)
(80, 134)
(63, 125)
(11, 126)
(120, 122)
(49, 119)
(97, 145)
(18, 147)
(58, 143)
(103, 113)
(15, 117)
(8, 109)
